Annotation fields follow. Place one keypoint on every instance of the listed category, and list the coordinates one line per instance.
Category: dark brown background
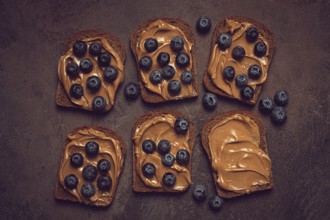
(33, 129)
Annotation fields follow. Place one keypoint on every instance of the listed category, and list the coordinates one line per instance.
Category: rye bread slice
(147, 95)
(61, 194)
(205, 143)
(138, 185)
(62, 98)
(221, 28)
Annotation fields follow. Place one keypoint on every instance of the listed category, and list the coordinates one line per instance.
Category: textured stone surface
(32, 34)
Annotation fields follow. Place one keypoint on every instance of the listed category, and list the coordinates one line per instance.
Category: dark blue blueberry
(103, 59)
(151, 44)
(182, 60)
(71, 181)
(260, 49)
(91, 148)
(86, 65)
(148, 146)
(203, 24)
(224, 41)
(228, 73)
(88, 190)
(241, 80)
(72, 69)
(163, 147)
(145, 63)
(76, 160)
(168, 160)
(79, 48)
(266, 105)
(278, 115)
(181, 126)
(183, 157)
(98, 104)
(238, 53)
(209, 100)
(169, 179)
(163, 59)
(168, 72)
(281, 98)
(155, 77)
(95, 49)
(177, 43)
(199, 193)
(103, 166)
(149, 170)
(76, 91)
(187, 77)
(247, 92)
(89, 172)
(93, 83)
(132, 91)
(215, 203)
(252, 35)
(104, 183)
(254, 71)
(110, 73)
(174, 87)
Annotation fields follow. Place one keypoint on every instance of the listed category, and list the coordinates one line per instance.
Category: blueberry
(228, 73)
(183, 157)
(281, 98)
(238, 53)
(168, 160)
(266, 105)
(104, 183)
(209, 100)
(76, 91)
(110, 73)
(155, 77)
(88, 190)
(151, 44)
(163, 59)
(163, 147)
(187, 77)
(174, 87)
(247, 92)
(98, 104)
(215, 202)
(252, 35)
(91, 148)
(79, 48)
(89, 172)
(76, 160)
(132, 91)
(169, 179)
(86, 65)
(177, 43)
(95, 49)
(199, 193)
(145, 63)
(148, 146)
(182, 60)
(260, 49)
(254, 71)
(224, 41)
(168, 72)
(72, 69)
(278, 115)
(103, 59)
(241, 80)
(181, 126)
(149, 170)
(71, 181)
(103, 166)
(93, 83)
(203, 24)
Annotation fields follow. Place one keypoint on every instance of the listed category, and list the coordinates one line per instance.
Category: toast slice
(156, 126)
(164, 30)
(235, 144)
(214, 80)
(111, 147)
(108, 85)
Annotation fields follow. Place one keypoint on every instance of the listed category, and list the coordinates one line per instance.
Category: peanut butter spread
(222, 58)
(156, 129)
(163, 32)
(237, 159)
(107, 90)
(109, 149)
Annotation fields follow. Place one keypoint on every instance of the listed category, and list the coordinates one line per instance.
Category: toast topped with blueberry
(242, 50)
(90, 71)
(164, 51)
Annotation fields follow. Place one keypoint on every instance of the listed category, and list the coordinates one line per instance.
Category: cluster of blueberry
(224, 41)
(278, 114)
(164, 149)
(199, 194)
(110, 73)
(167, 71)
(89, 172)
